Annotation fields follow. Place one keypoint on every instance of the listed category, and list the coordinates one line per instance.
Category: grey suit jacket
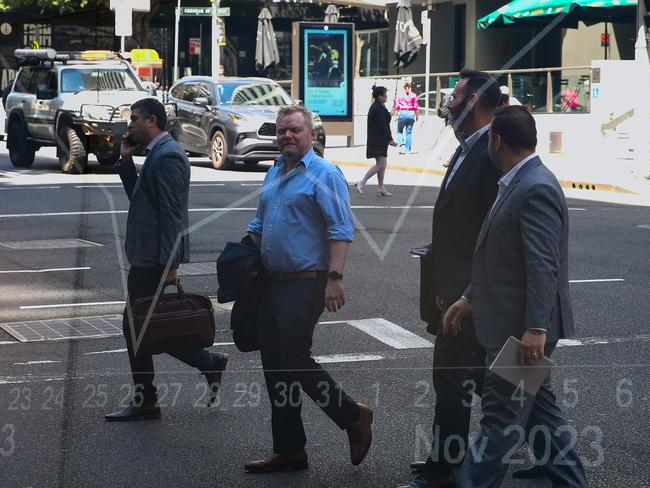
(158, 209)
(520, 274)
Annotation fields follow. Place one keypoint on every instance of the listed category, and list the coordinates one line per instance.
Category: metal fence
(544, 90)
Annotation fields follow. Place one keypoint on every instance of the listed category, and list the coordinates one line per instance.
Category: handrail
(492, 72)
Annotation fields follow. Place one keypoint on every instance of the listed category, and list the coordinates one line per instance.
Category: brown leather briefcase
(178, 321)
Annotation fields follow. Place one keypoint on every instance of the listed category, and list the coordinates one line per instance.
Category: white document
(529, 377)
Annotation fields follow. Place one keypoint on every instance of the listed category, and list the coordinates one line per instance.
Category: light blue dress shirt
(300, 212)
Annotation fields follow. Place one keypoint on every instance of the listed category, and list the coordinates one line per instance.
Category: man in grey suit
(158, 216)
(520, 288)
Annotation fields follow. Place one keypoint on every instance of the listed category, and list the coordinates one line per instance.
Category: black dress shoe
(214, 374)
(419, 466)
(132, 412)
(279, 462)
(537, 472)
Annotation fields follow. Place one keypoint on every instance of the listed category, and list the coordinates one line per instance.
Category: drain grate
(49, 244)
(198, 269)
(57, 329)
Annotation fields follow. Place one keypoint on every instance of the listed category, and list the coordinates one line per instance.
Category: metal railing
(563, 89)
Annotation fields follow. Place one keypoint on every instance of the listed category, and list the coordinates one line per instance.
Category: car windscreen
(246, 93)
(74, 80)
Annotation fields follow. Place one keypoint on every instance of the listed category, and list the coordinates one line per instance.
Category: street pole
(178, 21)
(426, 35)
(214, 42)
(122, 44)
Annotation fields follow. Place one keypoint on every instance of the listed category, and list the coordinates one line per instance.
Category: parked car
(444, 92)
(230, 120)
(78, 102)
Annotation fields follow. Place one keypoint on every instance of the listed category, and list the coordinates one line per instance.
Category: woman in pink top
(406, 111)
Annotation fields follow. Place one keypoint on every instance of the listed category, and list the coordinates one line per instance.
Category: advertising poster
(326, 70)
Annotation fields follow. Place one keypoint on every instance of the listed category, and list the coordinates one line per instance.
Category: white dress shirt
(466, 146)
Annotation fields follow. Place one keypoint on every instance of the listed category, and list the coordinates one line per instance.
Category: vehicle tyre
(106, 159)
(219, 151)
(72, 156)
(21, 151)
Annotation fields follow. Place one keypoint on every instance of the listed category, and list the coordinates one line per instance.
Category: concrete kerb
(571, 184)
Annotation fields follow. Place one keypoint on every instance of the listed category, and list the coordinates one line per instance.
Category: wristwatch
(334, 275)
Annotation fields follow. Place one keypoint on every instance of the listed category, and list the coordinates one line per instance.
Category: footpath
(583, 178)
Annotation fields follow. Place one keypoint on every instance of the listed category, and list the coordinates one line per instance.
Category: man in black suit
(466, 195)
(158, 215)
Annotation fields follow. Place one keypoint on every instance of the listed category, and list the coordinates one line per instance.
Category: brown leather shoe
(279, 462)
(360, 435)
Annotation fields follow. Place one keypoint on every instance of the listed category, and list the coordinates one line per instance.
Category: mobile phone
(130, 141)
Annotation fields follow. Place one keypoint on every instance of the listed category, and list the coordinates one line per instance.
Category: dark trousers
(509, 420)
(458, 371)
(290, 312)
(143, 282)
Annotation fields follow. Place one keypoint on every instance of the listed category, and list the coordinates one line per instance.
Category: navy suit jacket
(158, 209)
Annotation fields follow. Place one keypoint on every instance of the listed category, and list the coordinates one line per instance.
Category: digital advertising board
(326, 69)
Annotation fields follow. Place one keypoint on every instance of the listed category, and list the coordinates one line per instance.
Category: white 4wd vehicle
(77, 102)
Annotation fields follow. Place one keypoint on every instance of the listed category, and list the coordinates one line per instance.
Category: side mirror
(203, 101)
(44, 93)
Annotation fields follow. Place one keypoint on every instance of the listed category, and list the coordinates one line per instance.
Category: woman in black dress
(379, 138)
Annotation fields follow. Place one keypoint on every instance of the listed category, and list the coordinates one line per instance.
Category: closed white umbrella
(332, 14)
(407, 37)
(266, 47)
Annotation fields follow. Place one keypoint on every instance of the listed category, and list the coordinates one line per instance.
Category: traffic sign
(204, 11)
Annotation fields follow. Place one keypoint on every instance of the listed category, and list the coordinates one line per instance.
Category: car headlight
(97, 112)
(125, 113)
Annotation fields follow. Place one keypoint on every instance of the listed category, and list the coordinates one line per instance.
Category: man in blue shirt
(303, 227)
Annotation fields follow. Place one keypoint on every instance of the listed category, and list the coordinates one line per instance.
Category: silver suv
(77, 102)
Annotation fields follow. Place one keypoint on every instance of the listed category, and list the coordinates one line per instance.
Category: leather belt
(296, 275)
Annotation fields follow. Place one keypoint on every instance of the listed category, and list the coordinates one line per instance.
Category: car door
(20, 99)
(204, 117)
(44, 109)
(188, 118)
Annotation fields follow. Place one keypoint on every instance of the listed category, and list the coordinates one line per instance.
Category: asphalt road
(53, 394)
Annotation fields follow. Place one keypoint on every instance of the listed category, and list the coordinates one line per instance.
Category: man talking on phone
(158, 215)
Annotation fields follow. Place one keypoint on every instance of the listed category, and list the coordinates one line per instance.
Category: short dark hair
(150, 107)
(378, 91)
(516, 126)
(484, 85)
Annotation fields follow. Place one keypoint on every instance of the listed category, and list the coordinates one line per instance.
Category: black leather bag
(429, 312)
(178, 321)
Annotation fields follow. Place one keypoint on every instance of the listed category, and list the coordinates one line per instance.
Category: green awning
(522, 12)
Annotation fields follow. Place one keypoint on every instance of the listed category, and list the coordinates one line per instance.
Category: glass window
(98, 79)
(246, 93)
(40, 77)
(204, 91)
(22, 82)
(374, 52)
(177, 91)
(190, 92)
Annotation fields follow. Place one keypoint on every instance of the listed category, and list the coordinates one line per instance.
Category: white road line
(66, 305)
(207, 184)
(330, 322)
(251, 184)
(390, 333)
(576, 208)
(8, 342)
(29, 363)
(215, 209)
(99, 186)
(113, 351)
(347, 358)
(47, 270)
(643, 226)
(606, 280)
(29, 188)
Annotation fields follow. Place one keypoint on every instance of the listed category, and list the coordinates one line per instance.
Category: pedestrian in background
(406, 112)
(158, 214)
(378, 140)
(519, 288)
(303, 227)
